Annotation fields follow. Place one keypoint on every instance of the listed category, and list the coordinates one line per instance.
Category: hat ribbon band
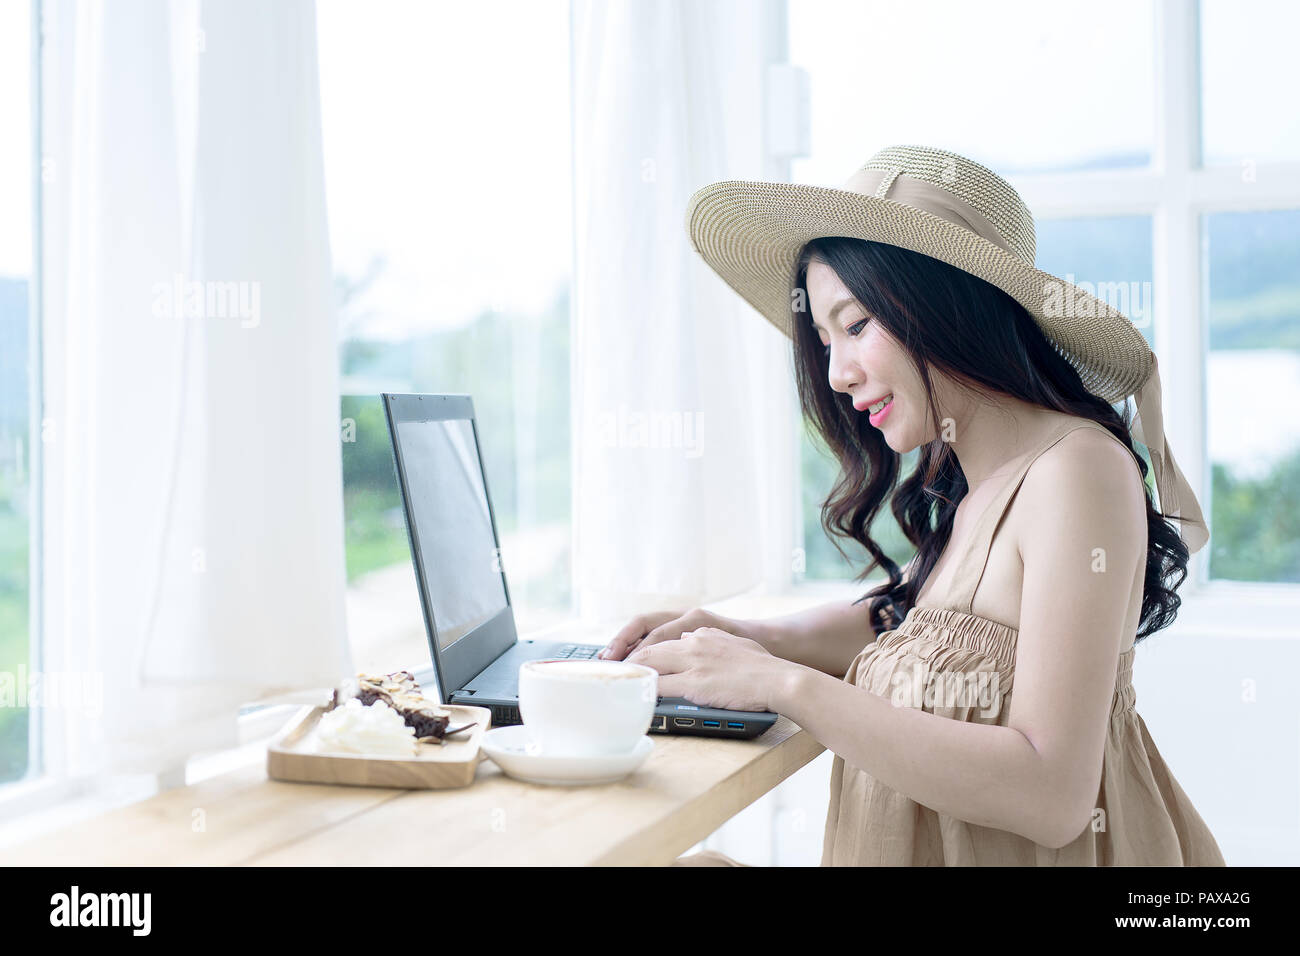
(1177, 499)
(898, 186)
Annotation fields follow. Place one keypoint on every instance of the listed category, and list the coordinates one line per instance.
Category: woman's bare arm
(825, 638)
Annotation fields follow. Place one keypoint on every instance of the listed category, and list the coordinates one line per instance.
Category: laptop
(470, 625)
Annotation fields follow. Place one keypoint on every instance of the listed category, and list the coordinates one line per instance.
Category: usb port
(735, 725)
(684, 721)
(711, 723)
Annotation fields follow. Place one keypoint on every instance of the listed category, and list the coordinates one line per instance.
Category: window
(1247, 52)
(1110, 256)
(17, 350)
(450, 227)
(1252, 376)
(822, 559)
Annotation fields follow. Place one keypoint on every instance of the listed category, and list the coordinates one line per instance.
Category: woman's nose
(842, 372)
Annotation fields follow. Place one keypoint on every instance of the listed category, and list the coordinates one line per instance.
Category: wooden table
(686, 789)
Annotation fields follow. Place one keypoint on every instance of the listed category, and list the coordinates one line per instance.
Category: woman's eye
(857, 327)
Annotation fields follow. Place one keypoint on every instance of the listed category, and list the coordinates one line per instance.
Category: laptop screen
(449, 506)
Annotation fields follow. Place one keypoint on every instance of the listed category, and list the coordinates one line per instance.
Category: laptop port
(735, 725)
(659, 723)
(684, 721)
(711, 723)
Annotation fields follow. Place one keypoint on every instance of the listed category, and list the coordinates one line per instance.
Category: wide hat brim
(750, 233)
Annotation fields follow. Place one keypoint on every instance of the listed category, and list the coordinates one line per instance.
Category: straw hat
(950, 208)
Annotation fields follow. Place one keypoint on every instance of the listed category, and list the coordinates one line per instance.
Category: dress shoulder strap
(970, 570)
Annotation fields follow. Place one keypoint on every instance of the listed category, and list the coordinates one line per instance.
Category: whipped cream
(374, 729)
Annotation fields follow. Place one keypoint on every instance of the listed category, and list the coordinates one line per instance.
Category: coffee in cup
(586, 708)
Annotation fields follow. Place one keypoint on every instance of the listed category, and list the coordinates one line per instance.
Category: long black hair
(981, 337)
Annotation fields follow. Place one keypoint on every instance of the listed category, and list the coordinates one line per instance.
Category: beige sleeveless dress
(1145, 818)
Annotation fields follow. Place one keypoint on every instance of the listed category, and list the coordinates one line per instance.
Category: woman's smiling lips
(879, 416)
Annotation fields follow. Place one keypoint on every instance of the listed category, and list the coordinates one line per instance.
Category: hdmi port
(684, 721)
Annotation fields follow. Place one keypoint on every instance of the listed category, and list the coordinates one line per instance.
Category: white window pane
(1252, 392)
(1249, 81)
(1016, 85)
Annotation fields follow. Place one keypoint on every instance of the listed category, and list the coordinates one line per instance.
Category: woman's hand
(646, 630)
(712, 668)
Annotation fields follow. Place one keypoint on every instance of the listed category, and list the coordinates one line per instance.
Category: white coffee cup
(586, 708)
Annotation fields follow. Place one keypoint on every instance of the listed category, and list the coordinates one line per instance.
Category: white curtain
(193, 502)
(672, 370)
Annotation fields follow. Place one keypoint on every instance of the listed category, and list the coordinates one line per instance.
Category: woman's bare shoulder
(1091, 475)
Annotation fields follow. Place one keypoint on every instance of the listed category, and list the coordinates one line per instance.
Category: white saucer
(509, 747)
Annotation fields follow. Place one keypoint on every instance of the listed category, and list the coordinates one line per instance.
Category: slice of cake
(400, 691)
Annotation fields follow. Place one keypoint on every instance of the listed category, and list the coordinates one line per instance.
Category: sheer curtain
(193, 508)
(669, 96)
(672, 371)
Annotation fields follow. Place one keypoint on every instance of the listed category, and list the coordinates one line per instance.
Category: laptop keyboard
(578, 652)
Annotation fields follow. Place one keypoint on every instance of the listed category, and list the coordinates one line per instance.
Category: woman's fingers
(634, 633)
(666, 657)
(668, 631)
(617, 648)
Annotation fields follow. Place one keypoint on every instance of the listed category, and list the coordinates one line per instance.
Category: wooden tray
(292, 755)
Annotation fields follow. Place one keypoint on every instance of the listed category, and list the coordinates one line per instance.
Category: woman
(918, 321)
